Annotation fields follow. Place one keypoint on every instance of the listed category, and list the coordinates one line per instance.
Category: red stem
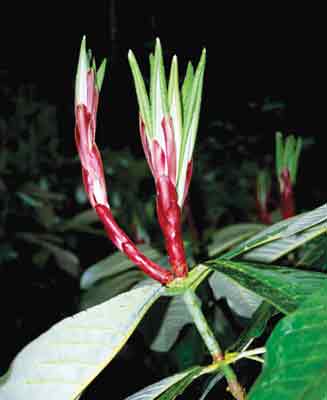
(287, 203)
(124, 244)
(169, 216)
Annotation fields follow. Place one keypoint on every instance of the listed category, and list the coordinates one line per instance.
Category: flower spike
(87, 88)
(169, 120)
(287, 158)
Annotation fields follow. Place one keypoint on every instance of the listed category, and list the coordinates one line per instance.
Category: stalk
(124, 244)
(194, 308)
(170, 220)
(287, 203)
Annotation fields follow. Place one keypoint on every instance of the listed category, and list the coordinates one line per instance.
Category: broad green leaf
(62, 362)
(284, 288)
(242, 301)
(109, 287)
(296, 360)
(272, 251)
(285, 230)
(174, 383)
(168, 318)
(230, 236)
(116, 263)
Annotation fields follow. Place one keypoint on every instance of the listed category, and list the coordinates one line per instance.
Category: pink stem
(124, 244)
(287, 198)
(169, 216)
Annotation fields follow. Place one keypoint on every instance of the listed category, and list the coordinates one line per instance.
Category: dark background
(252, 53)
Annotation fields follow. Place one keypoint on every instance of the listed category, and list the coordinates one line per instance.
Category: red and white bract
(87, 88)
(168, 125)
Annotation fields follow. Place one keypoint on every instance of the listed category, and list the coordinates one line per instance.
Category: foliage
(251, 288)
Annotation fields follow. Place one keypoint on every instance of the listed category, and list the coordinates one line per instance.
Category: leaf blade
(284, 288)
(296, 358)
(64, 360)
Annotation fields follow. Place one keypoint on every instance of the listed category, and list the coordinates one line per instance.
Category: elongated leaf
(109, 287)
(306, 220)
(154, 391)
(242, 301)
(186, 88)
(62, 362)
(180, 386)
(230, 236)
(141, 93)
(284, 288)
(272, 251)
(285, 230)
(114, 264)
(265, 236)
(296, 360)
(211, 383)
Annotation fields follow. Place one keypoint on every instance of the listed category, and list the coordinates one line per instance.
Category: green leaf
(229, 236)
(190, 125)
(109, 287)
(186, 88)
(306, 220)
(174, 103)
(242, 301)
(284, 288)
(288, 151)
(284, 229)
(116, 263)
(100, 74)
(272, 251)
(180, 386)
(296, 360)
(167, 388)
(62, 362)
(141, 93)
(158, 94)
